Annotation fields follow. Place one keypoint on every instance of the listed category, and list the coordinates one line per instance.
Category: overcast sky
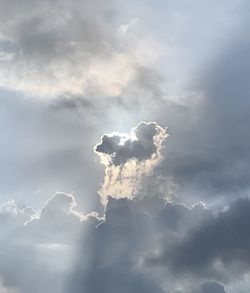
(124, 146)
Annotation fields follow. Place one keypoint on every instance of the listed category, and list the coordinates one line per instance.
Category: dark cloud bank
(125, 251)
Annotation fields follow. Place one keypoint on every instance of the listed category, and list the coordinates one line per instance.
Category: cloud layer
(125, 250)
(65, 48)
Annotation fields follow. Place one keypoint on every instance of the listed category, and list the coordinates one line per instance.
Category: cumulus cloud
(37, 247)
(112, 251)
(125, 249)
(130, 161)
(143, 143)
(115, 255)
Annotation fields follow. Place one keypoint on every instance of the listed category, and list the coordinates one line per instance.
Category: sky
(124, 146)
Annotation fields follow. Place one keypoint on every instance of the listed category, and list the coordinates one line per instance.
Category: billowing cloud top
(143, 143)
(130, 162)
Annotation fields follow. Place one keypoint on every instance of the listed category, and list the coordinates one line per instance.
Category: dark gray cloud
(126, 249)
(220, 239)
(211, 158)
(113, 251)
(141, 144)
(114, 256)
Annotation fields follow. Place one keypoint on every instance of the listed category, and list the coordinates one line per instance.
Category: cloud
(3, 289)
(125, 250)
(143, 143)
(130, 161)
(210, 158)
(42, 243)
(66, 48)
(125, 27)
(220, 242)
(57, 221)
(114, 256)
(207, 287)
(112, 252)
(87, 50)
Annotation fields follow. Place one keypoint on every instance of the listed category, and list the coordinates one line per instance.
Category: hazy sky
(124, 146)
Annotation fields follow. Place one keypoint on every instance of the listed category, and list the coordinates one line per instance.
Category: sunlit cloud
(130, 161)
